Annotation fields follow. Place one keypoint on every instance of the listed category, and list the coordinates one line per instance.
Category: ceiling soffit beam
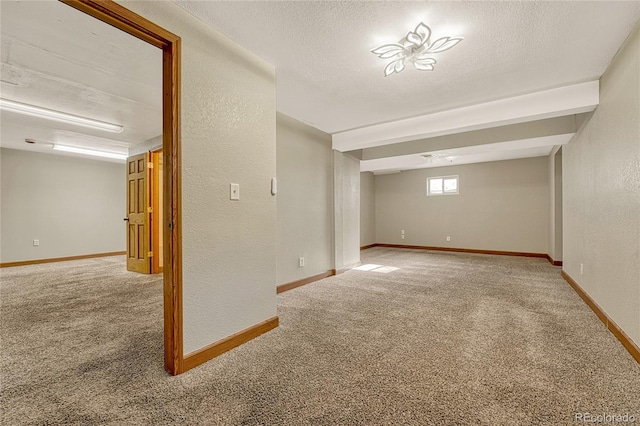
(531, 129)
(521, 148)
(574, 99)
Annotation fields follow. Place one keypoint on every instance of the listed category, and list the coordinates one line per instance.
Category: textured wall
(554, 242)
(305, 200)
(346, 182)
(228, 135)
(351, 211)
(74, 206)
(551, 247)
(502, 205)
(601, 171)
(367, 209)
(557, 183)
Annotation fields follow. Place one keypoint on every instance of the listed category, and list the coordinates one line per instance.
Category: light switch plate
(235, 191)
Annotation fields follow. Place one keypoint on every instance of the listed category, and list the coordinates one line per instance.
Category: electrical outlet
(235, 191)
(36, 243)
(448, 238)
(301, 262)
(402, 236)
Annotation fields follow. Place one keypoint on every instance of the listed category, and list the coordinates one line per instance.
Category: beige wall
(557, 195)
(502, 205)
(367, 209)
(74, 206)
(555, 204)
(346, 183)
(228, 135)
(601, 172)
(305, 200)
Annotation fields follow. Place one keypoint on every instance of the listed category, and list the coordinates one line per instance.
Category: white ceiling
(56, 57)
(512, 51)
(59, 58)
(327, 76)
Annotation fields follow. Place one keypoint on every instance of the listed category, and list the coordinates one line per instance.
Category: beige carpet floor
(445, 339)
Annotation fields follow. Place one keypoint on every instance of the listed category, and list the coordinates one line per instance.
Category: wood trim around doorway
(156, 225)
(120, 17)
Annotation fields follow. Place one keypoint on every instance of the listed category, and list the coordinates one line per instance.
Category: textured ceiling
(58, 58)
(327, 77)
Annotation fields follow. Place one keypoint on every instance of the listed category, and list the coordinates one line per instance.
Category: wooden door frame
(120, 17)
(155, 225)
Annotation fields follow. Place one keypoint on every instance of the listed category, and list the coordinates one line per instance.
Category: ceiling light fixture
(63, 117)
(87, 151)
(387, 172)
(438, 157)
(414, 48)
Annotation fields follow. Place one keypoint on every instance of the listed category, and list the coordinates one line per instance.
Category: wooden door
(138, 211)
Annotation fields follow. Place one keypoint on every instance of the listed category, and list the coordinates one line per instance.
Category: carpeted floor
(447, 338)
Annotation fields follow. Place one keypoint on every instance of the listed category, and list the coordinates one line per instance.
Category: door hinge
(171, 226)
(150, 254)
(149, 210)
(150, 165)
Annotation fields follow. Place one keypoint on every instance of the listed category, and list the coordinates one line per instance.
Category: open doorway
(23, 93)
(137, 26)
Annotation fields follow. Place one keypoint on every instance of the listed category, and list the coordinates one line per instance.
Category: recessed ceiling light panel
(86, 151)
(36, 111)
(415, 48)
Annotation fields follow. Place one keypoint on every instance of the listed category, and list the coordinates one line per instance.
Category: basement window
(442, 185)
